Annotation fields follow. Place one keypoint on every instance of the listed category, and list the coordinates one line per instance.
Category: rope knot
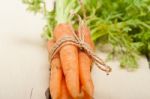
(81, 44)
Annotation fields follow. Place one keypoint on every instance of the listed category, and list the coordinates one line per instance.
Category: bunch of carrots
(70, 76)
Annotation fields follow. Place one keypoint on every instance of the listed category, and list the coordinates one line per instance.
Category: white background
(24, 61)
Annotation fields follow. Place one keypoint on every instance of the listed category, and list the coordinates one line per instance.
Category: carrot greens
(124, 24)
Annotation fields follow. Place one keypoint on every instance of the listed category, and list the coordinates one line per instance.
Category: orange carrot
(69, 60)
(85, 63)
(64, 92)
(56, 75)
(85, 75)
(86, 96)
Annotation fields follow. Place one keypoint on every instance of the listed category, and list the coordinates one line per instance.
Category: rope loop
(76, 41)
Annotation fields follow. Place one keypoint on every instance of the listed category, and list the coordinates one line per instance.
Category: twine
(79, 42)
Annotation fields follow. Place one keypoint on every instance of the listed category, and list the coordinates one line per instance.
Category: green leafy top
(124, 24)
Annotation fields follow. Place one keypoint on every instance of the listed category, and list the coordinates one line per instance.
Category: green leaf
(33, 5)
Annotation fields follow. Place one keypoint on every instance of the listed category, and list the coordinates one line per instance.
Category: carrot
(56, 74)
(85, 75)
(64, 92)
(85, 62)
(86, 96)
(69, 60)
